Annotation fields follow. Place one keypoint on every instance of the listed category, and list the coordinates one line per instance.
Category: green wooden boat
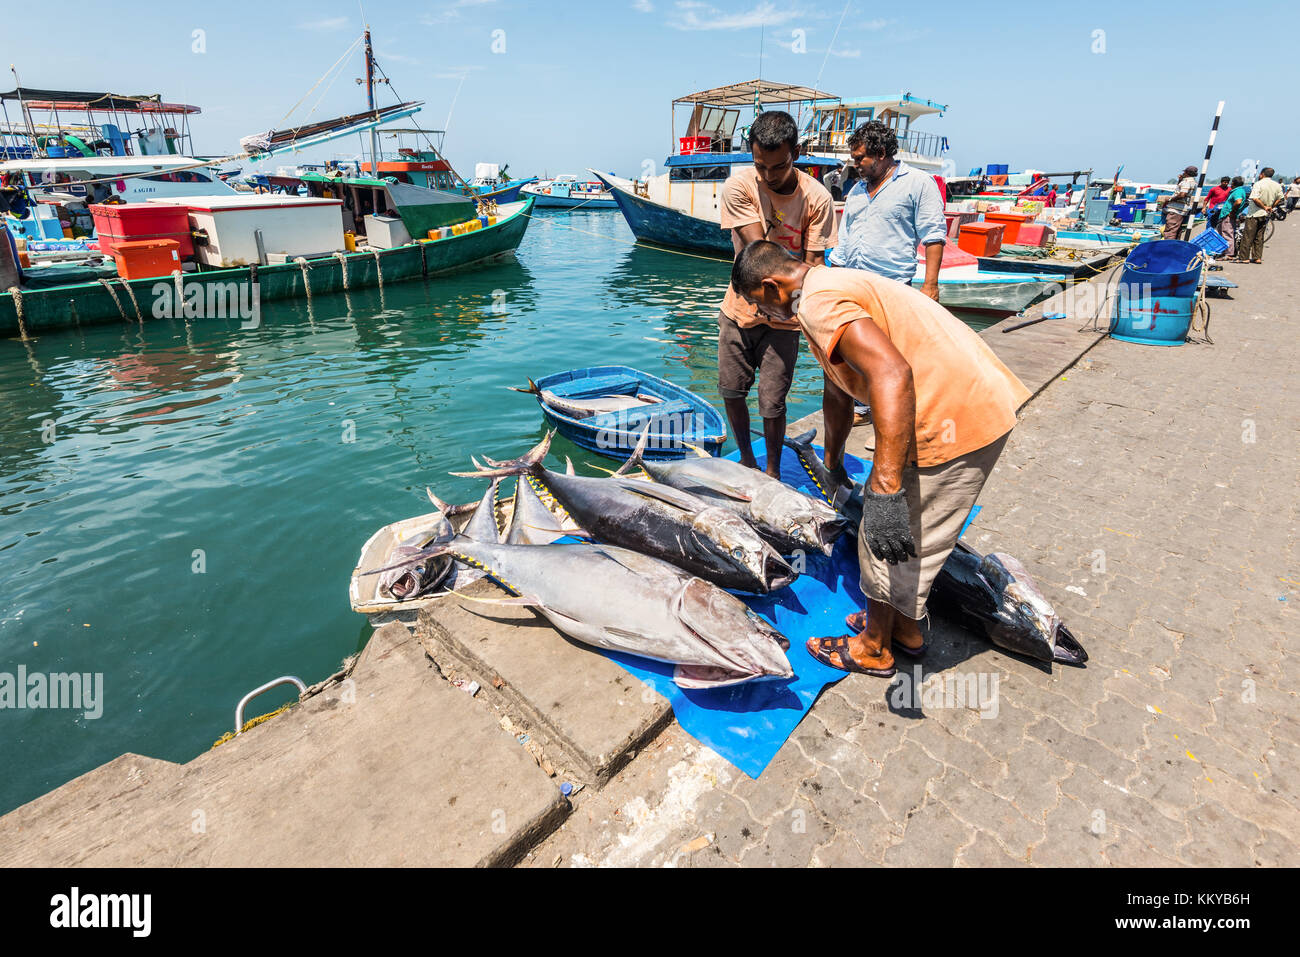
(115, 300)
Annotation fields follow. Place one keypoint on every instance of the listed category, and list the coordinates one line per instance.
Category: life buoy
(546, 190)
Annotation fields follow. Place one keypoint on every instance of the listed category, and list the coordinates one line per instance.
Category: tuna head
(752, 647)
(720, 534)
(1026, 620)
(801, 521)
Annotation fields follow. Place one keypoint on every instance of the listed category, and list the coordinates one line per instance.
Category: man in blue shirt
(889, 212)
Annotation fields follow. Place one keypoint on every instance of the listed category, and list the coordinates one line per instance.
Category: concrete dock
(1150, 491)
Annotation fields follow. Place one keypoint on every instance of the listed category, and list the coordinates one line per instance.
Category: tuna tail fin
(636, 457)
(803, 441)
(525, 463)
(531, 390)
(568, 466)
(449, 510)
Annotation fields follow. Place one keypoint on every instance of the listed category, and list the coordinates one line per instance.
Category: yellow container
(350, 242)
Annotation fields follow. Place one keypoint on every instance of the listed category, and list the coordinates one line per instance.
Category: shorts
(938, 500)
(770, 352)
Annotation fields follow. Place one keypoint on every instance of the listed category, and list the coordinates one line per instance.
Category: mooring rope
(131, 292)
(343, 267)
(17, 295)
(379, 271)
(306, 276)
(106, 283)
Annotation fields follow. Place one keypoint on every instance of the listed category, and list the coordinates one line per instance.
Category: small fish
(585, 408)
(624, 601)
(790, 520)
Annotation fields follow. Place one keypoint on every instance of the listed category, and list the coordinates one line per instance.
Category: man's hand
(887, 526)
(931, 290)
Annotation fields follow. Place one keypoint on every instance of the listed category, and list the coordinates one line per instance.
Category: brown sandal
(857, 623)
(823, 648)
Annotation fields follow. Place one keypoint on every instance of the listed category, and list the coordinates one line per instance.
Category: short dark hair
(757, 261)
(876, 138)
(1267, 171)
(1224, 179)
(773, 128)
(1238, 181)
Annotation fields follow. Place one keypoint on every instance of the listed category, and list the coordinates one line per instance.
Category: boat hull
(542, 201)
(95, 302)
(661, 225)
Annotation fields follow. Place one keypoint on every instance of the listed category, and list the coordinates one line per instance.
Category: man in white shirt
(1264, 196)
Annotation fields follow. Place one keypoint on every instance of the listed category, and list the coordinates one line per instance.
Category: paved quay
(1151, 492)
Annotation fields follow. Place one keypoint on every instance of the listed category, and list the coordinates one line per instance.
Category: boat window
(179, 176)
(691, 173)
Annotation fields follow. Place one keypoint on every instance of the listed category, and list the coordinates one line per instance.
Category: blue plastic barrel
(1162, 267)
(1124, 212)
(1153, 321)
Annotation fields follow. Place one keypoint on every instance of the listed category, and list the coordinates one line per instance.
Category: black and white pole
(1205, 168)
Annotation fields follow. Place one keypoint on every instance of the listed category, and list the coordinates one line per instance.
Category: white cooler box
(290, 226)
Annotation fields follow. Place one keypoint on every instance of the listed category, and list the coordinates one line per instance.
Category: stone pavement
(1152, 493)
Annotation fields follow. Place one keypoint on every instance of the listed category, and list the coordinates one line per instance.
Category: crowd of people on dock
(1241, 211)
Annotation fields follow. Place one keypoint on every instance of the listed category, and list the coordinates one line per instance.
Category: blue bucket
(1153, 320)
(1162, 267)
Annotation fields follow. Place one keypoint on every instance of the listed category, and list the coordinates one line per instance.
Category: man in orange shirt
(943, 407)
(774, 201)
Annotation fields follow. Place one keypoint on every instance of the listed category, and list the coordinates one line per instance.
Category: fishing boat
(681, 208)
(828, 130)
(566, 192)
(606, 409)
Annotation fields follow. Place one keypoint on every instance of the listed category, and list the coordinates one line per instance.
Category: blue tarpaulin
(748, 723)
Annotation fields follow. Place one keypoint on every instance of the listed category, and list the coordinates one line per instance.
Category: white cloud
(451, 11)
(643, 6)
(694, 15)
(329, 24)
(847, 54)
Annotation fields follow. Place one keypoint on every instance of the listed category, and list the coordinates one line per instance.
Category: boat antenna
(22, 107)
(370, 103)
(826, 59)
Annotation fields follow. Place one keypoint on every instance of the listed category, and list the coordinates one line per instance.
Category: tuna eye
(738, 553)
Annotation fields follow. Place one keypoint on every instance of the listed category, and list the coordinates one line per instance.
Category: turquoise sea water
(190, 530)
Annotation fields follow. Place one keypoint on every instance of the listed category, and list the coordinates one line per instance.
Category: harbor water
(183, 502)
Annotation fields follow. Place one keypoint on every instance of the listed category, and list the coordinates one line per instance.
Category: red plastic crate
(132, 222)
(695, 144)
(147, 258)
(981, 239)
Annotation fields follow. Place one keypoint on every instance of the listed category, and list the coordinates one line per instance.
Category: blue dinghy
(605, 409)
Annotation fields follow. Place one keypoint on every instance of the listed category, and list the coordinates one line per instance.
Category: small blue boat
(565, 192)
(606, 409)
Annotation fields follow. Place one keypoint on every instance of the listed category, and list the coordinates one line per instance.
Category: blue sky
(589, 84)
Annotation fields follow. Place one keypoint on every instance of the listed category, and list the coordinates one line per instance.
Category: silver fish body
(620, 600)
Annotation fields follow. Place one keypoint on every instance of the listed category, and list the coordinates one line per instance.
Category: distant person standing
(1293, 194)
(1217, 195)
(1227, 217)
(772, 200)
(1180, 204)
(1264, 196)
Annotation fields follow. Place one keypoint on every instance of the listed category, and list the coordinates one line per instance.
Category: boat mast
(27, 114)
(370, 103)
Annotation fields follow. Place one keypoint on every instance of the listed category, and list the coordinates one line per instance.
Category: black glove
(886, 523)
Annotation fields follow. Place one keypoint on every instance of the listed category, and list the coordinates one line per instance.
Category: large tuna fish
(620, 600)
(789, 519)
(991, 593)
(593, 405)
(692, 533)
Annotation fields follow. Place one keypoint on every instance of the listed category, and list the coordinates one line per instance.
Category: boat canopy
(100, 164)
(903, 103)
(81, 100)
(754, 91)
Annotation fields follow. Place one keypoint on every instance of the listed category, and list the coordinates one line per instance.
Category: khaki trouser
(1252, 238)
(938, 500)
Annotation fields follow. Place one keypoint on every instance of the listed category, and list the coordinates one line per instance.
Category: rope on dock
(131, 292)
(343, 267)
(424, 259)
(17, 295)
(107, 284)
(379, 271)
(306, 276)
(252, 723)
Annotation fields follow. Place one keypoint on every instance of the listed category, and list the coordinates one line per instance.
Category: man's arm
(893, 399)
(750, 232)
(932, 229)
(837, 418)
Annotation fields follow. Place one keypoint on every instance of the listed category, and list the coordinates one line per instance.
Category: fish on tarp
(592, 405)
(692, 533)
(993, 593)
(789, 519)
(621, 600)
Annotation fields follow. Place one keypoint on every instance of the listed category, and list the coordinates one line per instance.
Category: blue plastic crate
(1210, 241)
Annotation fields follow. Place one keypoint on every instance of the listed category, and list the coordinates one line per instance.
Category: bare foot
(749, 462)
(773, 473)
(907, 635)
